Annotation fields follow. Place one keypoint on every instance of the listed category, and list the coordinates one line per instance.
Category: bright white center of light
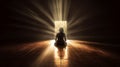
(60, 24)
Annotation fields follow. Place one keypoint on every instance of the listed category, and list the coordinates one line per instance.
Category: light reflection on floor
(61, 61)
(45, 54)
(52, 50)
(53, 54)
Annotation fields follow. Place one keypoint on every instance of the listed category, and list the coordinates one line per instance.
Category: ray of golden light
(23, 12)
(72, 31)
(27, 21)
(60, 9)
(82, 45)
(66, 8)
(35, 25)
(38, 6)
(35, 16)
(74, 16)
(48, 51)
(33, 28)
(78, 21)
(31, 14)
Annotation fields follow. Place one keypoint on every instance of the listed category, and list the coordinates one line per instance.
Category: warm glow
(52, 54)
(63, 62)
(59, 24)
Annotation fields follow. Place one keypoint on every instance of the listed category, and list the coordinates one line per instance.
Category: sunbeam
(32, 15)
(33, 29)
(52, 55)
(38, 6)
(60, 9)
(59, 33)
(78, 21)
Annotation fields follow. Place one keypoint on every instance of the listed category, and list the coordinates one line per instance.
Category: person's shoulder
(58, 33)
(63, 33)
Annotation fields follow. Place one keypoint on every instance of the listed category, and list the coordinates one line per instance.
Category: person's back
(60, 38)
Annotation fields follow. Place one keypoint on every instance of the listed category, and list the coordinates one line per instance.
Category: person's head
(61, 30)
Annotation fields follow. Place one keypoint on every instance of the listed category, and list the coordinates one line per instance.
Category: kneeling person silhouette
(60, 39)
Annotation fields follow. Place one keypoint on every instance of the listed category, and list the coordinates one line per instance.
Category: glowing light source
(59, 24)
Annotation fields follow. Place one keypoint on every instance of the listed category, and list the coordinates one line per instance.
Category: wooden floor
(44, 54)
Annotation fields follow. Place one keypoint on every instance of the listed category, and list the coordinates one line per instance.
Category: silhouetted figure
(60, 39)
